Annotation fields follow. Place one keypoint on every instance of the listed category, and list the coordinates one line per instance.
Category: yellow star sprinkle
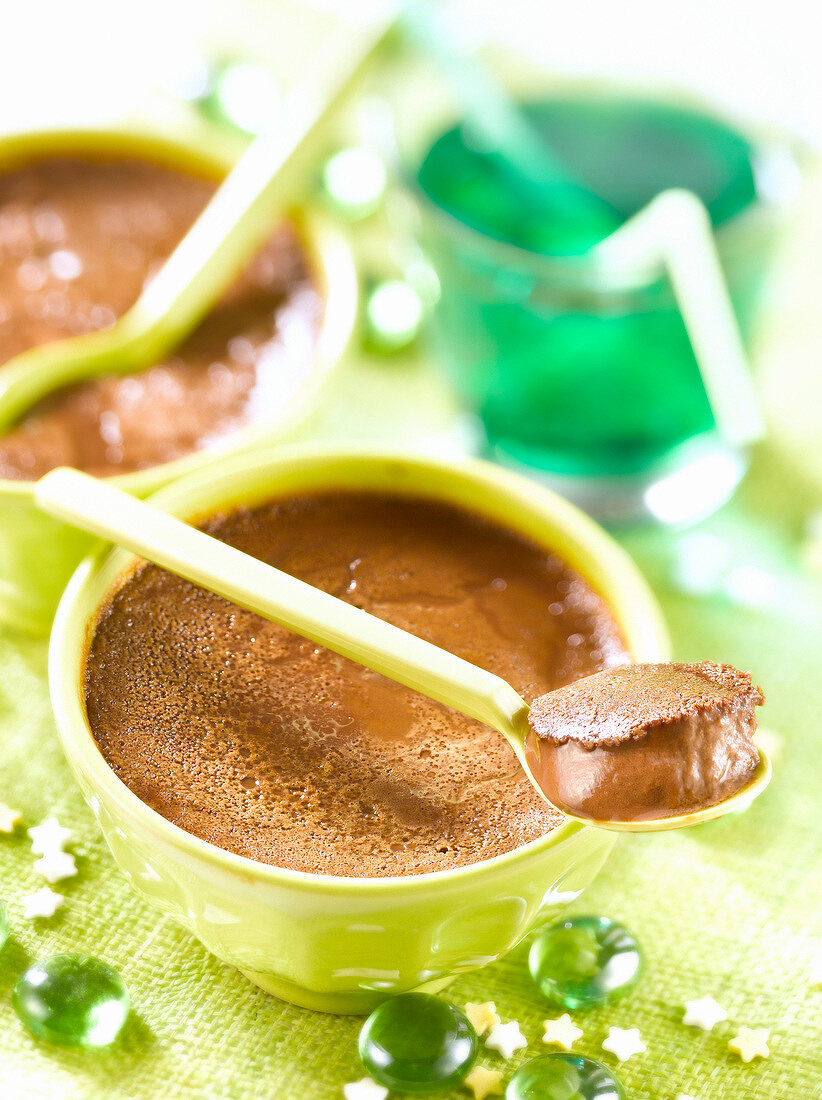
(562, 1032)
(8, 818)
(484, 1082)
(750, 1043)
(482, 1017)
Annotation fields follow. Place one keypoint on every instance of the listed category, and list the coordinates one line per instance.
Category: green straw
(502, 128)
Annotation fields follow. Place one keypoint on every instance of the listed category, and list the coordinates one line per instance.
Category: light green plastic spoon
(100, 509)
(221, 241)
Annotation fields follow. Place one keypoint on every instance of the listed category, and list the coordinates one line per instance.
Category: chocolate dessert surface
(78, 240)
(271, 747)
(646, 740)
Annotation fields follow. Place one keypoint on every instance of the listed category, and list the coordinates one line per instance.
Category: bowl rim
(331, 263)
(241, 479)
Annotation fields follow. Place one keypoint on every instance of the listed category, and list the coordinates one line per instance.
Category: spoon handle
(100, 509)
(238, 218)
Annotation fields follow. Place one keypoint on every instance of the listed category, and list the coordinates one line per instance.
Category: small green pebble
(74, 1000)
(4, 924)
(564, 1077)
(585, 961)
(417, 1043)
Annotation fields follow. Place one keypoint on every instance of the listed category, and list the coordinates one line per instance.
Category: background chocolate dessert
(274, 748)
(78, 239)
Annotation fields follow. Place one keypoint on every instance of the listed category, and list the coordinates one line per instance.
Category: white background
(79, 60)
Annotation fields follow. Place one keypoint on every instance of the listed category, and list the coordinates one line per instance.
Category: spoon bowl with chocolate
(649, 747)
(642, 747)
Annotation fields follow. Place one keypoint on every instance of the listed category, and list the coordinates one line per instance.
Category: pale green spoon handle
(97, 507)
(239, 217)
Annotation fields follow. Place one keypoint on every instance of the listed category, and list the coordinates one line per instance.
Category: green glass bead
(417, 1043)
(393, 316)
(4, 924)
(585, 961)
(242, 95)
(353, 182)
(74, 1000)
(564, 1077)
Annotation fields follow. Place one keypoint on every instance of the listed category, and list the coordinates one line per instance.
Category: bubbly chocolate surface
(646, 740)
(271, 747)
(78, 239)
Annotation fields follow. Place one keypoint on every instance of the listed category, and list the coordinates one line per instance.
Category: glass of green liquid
(578, 374)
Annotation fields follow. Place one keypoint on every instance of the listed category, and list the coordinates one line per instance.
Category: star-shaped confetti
(482, 1017)
(484, 1082)
(43, 903)
(562, 1032)
(704, 1013)
(364, 1089)
(49, 837)
(624, 1043)
(750, 1043)
(8, 818)
(55, 866)
(505, 1039)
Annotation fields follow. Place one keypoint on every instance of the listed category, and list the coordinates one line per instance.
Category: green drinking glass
(581, 374)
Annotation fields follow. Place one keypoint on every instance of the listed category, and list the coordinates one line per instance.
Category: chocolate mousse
(274, 748)
(78, 239)
(645, 741)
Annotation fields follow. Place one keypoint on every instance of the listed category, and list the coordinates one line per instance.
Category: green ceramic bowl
(343, 944)
(37, 553)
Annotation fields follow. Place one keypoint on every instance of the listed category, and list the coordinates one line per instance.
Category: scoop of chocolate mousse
(645, 741)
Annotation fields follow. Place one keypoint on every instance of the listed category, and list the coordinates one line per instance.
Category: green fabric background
(731, 909)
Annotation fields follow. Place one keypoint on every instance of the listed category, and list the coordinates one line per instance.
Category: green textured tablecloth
(730, 910)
